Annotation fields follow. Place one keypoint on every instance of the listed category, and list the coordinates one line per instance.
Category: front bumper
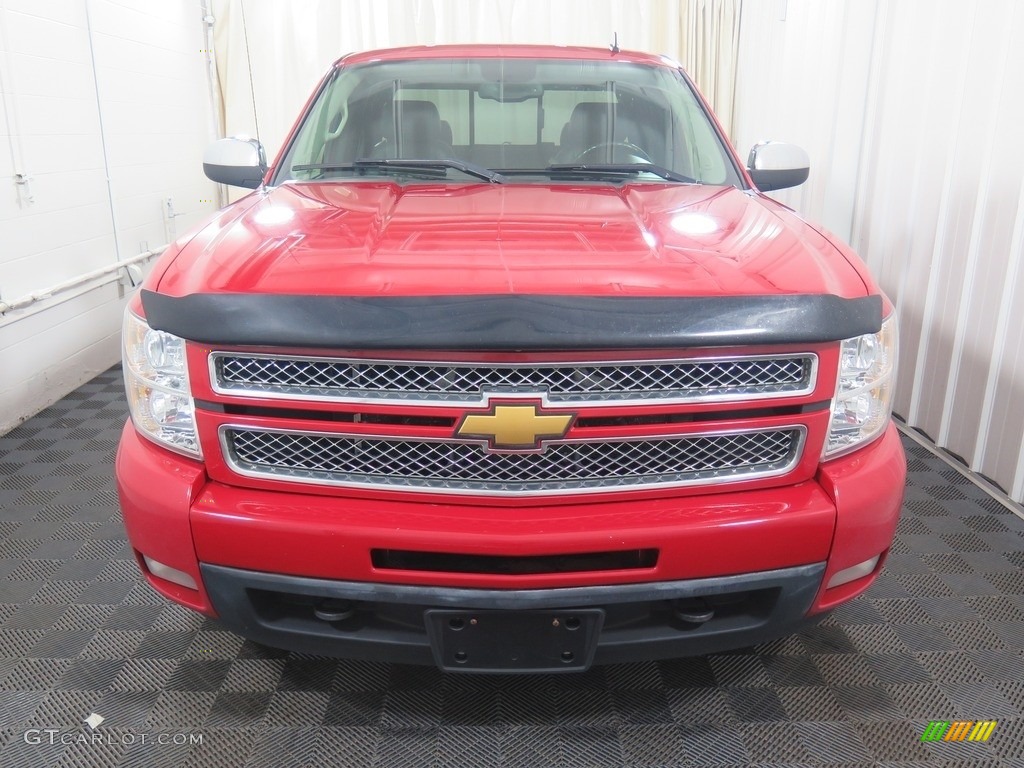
(241, 543)
(640, 621)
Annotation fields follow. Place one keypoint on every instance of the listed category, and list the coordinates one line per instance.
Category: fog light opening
(853, 573)
(167, 573)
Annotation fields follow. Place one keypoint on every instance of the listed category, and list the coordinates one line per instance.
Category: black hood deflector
(510, 322)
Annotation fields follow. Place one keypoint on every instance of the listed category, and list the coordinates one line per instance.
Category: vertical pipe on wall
(8, 93)
(213, 84)
(103, 133)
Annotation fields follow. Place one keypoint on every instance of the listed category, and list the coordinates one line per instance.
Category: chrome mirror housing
(237, 161)
(777, 165)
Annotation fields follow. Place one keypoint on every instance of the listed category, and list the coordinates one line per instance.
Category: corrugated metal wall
(913, 113)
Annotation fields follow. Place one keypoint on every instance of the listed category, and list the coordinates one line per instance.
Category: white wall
(911, 111)
(90, 90)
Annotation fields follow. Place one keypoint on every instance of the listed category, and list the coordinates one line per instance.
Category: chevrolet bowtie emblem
(515, 426)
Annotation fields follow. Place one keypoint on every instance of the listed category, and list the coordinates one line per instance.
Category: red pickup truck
(508, 364)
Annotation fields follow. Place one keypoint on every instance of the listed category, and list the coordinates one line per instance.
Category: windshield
(526, 119)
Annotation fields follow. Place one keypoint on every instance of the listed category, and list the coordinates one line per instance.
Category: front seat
(624, 141)
(587, 127)
(369, 131)
(421, 132)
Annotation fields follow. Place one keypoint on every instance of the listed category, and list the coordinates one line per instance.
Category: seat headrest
(410, 109)
(587, 126)
(422, 133)
(589, 111)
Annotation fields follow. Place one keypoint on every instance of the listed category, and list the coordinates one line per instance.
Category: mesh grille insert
(739, 378)
(451, 465)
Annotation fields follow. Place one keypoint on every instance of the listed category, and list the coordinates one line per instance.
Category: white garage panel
(911, 112)
(90, 90)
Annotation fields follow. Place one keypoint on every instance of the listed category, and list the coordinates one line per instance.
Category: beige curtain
(911, 113)
(709, 33)
(291, 43)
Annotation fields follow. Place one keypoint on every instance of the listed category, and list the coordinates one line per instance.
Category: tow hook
(334, 610)
(694, 610)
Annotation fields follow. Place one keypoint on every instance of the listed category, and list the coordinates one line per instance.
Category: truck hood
(379, 239)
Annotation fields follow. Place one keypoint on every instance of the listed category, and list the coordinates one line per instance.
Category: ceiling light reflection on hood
(273, 214)
(692, 223)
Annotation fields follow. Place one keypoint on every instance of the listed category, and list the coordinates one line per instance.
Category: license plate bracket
(514, 641)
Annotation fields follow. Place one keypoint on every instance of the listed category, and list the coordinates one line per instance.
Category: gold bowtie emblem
(514, 426)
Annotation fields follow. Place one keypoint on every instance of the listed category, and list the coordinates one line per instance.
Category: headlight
(863, 401)
(156, 380)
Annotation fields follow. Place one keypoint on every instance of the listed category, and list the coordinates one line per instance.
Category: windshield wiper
(404, 164)
(620, 168)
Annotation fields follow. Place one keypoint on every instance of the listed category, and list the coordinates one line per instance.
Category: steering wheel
(638, 154)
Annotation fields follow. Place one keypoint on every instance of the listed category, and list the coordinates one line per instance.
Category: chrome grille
(563, 467)
(700, 379)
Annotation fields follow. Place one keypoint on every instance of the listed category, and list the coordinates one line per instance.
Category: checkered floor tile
(939, 637)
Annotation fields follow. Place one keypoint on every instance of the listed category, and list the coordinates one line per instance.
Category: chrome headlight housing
(156, 382)
(862, 404)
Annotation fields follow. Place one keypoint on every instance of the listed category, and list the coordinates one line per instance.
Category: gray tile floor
(940, 637)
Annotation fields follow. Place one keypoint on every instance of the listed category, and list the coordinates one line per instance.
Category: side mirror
(777, 165)
(239, 162)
